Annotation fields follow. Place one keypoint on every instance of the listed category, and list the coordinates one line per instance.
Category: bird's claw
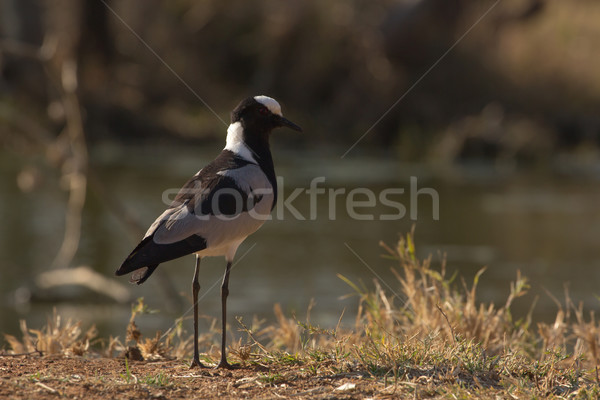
(196, 363)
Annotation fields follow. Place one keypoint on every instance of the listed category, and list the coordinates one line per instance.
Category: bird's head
(261, 114)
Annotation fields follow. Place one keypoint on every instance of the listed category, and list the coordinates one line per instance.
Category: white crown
(270, 103)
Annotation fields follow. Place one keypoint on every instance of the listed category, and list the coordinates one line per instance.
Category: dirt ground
(51, 377)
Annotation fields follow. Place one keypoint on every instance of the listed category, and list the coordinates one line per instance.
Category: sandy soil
(51, 377)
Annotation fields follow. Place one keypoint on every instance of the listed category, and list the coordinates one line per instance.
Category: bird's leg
(195, 289)
(224, 293)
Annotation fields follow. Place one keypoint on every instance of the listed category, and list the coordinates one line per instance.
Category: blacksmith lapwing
(218, 207)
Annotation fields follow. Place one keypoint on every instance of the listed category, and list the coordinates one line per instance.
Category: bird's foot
(224, 364)
(196, 363)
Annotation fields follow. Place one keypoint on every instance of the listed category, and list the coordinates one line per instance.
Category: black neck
(258, 143)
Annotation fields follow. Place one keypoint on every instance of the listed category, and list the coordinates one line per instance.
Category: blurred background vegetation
(522, 83)
(86, 87)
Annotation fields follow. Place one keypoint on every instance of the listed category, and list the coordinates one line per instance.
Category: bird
(219, 207)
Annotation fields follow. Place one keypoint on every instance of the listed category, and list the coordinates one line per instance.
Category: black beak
(281, 121)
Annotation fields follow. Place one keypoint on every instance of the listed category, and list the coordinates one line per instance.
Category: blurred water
(546, 225)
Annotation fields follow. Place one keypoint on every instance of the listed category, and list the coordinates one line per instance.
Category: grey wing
(229, 206)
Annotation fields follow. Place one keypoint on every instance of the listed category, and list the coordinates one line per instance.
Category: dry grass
(433, 335)
(55, 338)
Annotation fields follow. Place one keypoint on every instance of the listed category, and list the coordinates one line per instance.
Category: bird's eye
(263, 110)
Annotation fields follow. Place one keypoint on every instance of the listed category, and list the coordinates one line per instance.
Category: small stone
(346, 387)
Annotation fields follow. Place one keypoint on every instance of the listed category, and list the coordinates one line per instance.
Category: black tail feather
(134, 259)
(149, 254)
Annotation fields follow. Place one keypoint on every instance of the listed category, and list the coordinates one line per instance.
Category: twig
(76, 160)
(447, 321)
(36, 351)
(249, 332)
(79, 162)
(48, 388)
(21, 49)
